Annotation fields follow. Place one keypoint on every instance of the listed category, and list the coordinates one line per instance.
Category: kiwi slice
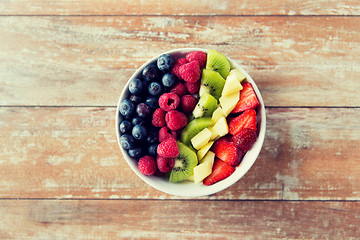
(184, 164)
(193, 128)
(218, 62)
(211, 82)
(206, 105)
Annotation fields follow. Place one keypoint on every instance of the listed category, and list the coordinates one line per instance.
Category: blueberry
(165, 63)
(136, 98)
(136, 152)
(143, 110)
(137, 120)
(125, 126)
(151, 73)
(152, 149)
(153, 135)
(127, 141)
(136, 86)
(127, 108)
(169, 80)
(152, 102)
(155, 89)
(139, 132)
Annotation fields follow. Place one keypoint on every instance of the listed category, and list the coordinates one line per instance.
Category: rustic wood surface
(64, 63)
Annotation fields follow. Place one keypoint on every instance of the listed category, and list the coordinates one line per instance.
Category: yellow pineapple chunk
(217, 114)
(204, 169)
(239, 75)
(214, 134)
(201, 139)
(209, 156)
(232, 85)
(202, 151)
(229, 102)
(221, 127)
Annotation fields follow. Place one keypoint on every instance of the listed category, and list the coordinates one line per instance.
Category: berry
(169, 101)
(190, 72)
(179, 89)
(143, 110)
(175, 120)
(152, 149)
(153, 135)
(193, 88)
(147, 165)
(125, 126)
(220, 171)
(139, 132)
(226, 150)
(127, 141)
(137, 120)
(165, 63)
(168, 148)
(177, 64)
(158, 118)
(247, 99)
(245, 139)
(127, 108)
(169, 80)
(136, 98)
(152, 102)
(165, 133)
(198, 56)
(136, 152)
(154, 89)
(188, 103)
(246, 120)
(136, 86)
(150, 73)
(165, 164)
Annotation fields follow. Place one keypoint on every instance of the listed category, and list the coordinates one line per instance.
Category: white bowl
(186, 188)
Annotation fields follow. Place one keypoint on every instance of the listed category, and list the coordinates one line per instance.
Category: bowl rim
(196, 190)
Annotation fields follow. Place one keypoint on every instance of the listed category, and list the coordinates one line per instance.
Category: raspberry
(192, 87)
(198, 56)
(165, 164)
(147, 165)
(188, 103)
(245, 139)
(169, 101)
(179, 89)
(165, 133)
(158, 118)
(190, 72)
(177, 64)
(175, 120)
(168, 148)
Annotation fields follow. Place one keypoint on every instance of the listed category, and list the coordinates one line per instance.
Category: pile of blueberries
(138, 136)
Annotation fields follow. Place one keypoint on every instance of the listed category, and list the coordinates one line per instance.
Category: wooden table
(64, 63)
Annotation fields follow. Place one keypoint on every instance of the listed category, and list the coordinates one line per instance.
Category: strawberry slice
(226, 150)
(247, 99)
(246, 120)
(245, 139)
(220, 171)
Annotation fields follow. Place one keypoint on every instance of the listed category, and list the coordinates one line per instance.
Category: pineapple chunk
(232, 85)
(217, 114)
(239, 75)
(201, 139)
(204, 169)
(214, 134)
(221, 127)
(229, 102)
(202, 151)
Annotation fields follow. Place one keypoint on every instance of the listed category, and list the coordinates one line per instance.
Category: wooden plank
(186, 7)
(308, 154)
(81, 61)
(79, 219)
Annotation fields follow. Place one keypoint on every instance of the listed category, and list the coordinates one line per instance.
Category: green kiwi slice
(218, 62)
(193, 128)
(206, 105)
(212, 82)
(184, 164)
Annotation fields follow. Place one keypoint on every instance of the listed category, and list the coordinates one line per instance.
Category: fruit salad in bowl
(190, 122)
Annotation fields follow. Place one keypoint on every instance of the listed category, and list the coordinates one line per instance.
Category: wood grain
(85, 61)
(125, 219)
(72, 152)
(185, 7)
